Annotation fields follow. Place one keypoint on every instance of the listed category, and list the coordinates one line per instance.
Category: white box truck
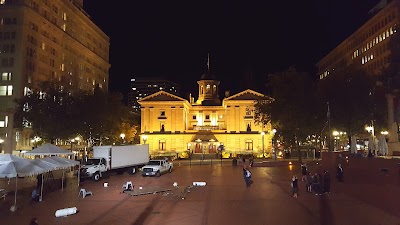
(122, 158)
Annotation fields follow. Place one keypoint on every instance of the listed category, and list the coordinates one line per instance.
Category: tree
(46, 109)
(294, 111)
(103, 117)
(54, 113)
(354, 100)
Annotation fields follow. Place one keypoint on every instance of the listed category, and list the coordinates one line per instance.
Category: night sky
(246, 39)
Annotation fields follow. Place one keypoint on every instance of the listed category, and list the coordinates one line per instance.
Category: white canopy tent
(49, 166)
(382, 145)
(54, 151)
(63, 163)
(13, 166)
(49, 149)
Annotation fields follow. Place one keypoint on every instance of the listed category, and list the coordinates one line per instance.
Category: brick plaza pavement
(367, 198)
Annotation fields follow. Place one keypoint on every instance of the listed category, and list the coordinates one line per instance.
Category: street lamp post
(263, 134)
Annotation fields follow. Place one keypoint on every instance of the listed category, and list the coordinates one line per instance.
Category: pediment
(161, 96)
(247, 95)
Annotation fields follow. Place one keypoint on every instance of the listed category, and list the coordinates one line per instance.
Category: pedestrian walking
(339, 173)
(251, 161)
(316, 186)
(303, 172)
(295, 186)
(327, 182)
(247, 176)
(309, 182)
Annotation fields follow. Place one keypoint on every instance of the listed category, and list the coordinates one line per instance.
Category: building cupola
(208, 88)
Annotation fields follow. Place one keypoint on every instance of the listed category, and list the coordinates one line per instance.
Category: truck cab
(94, 167)
(157, 167)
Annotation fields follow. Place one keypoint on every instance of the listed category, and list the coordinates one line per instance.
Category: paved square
(224, 200)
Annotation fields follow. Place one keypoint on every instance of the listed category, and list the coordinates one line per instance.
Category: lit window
(162, 114)
(6, 90)
(161, 145)
(2, 2)
(2, 124)
(64, 27)
(6, 76)
(249, 144)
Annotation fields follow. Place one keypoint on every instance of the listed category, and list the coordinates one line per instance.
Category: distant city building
(368, 48)
(142, 87)
(42, 41)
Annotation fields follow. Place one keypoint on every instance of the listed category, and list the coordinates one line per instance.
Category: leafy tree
(47, 109)
(54, 113)
(103, 117)
(354, 100)
(294, 111)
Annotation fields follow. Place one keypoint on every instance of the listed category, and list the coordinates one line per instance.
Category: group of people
(317, 183)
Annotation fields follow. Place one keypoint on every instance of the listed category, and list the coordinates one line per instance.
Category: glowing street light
(122, 135)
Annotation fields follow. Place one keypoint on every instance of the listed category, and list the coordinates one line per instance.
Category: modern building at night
(368, 48)
(46, 40)
(172, 125)
(145, 86)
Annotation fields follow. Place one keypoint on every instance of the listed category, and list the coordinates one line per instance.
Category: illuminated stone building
(172, 125)
(46, 40)
(368, 48)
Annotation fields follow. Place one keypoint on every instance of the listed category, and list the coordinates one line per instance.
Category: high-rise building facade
(368, 46)
(46, 40)
(145, 86)
(368, 49)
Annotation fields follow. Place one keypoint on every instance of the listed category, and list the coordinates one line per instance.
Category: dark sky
(172, 38)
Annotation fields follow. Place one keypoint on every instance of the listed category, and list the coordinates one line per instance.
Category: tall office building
(142, 87)
(42, 40)
(368, 48)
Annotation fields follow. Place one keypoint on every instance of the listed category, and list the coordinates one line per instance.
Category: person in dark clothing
(303, 172)
(339, 173)
(309, 182)
(34, 221)
(316, 186)
(251, 161)
(295, 186)
(327, 182)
